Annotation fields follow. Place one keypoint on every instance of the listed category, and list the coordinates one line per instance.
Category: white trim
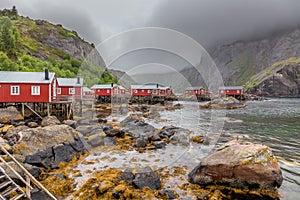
(58, 90)
(14, 90)
(35, 90)
(71, 90)
(107, 91)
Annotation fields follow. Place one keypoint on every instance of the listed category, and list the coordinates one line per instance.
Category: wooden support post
(23, 110)
(48, 109)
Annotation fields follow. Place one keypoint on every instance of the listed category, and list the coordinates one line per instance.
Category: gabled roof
(231, 88)
(86, 89)
(148, 87)
(194, 88)
(69, 82)
(25, 77)
(104, 86)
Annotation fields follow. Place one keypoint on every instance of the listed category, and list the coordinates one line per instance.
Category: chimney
(112, 85)
(46, 74)
(78, 80)
(156, 85)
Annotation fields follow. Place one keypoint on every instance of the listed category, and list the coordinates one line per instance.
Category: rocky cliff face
(284, 82)
(239, 61)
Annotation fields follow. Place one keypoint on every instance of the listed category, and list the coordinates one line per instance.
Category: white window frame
(108, 91)
(135, 91)
(13, 90)
(238, 91)
(58, 90)
(35, 90)
(71, 90)
(149, 91)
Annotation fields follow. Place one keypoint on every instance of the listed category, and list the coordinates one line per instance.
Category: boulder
(50, 120)
(146, 177)
(49, 145)
(37, 194)
(159, 144)
(13, 135)
(168, 194)
(70, 123)
(137, 125)
(239, 165)
(10, 114)
(34, 171)
(127, 175)
(170, 131)
(141, 142)
(114, 132)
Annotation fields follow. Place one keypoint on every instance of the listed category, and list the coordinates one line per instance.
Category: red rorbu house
(27, 87)
(108, 90)
(150, 90)
(69, 87)
(234, 91)
(195, 91)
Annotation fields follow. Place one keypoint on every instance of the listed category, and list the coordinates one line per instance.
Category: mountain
(251, 63)
(32, 45)
(123, 78)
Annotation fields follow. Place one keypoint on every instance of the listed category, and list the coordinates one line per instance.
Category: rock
(102, 121)
(141, 142)
(168, 194)
(37, 194)
(10, 114)
(160, 144)
(137, 125)
(63, 153)
(33, 170)
(1, 125)
(97, 140)
(127, 175)
(17, 123)
(115, 132)
(107, 127)
(43, 146)
(169, 131)
(32, 124)
(153, 137)
(145, 177)
(224, 103)
(14, 135)
(83, 122)
(88, 130)
(239, 165)
(70, 123)
(152, 115)
(51, 120)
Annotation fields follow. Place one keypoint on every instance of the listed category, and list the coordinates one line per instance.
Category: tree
(8, 41)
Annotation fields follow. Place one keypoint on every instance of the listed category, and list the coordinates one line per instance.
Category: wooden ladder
(7, 185)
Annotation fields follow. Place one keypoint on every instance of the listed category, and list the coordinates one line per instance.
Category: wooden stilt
(23, 110)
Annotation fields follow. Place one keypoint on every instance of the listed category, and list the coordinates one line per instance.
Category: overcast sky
(207, 21)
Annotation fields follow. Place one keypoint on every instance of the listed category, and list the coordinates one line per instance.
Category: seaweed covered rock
(9, 115)
(224, 103)
(239, 165)
(146, 177)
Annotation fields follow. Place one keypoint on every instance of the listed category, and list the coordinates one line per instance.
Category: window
(238, 91)
(58, 90)
(71, 90)
(135, 91)
(143, 91)
(107, 91)
(15, 90)
(35, 90)
(149, 91)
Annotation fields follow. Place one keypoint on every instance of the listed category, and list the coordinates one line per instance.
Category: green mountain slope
(32, 45)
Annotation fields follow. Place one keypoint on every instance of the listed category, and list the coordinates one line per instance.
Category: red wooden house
(108, 90)
(150, 90)
(195, 91)
(231, 91)
(27, 87)
(69, 87)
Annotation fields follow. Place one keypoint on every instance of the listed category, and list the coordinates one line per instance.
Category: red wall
(200, 91)
(25, 93)
(65, 91)
(103, 92)
(142, 92)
